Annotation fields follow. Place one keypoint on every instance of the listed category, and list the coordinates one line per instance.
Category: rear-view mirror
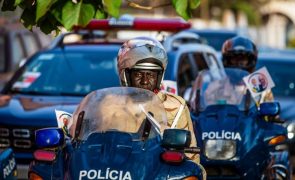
(176, 138)
(269, 108)
(49, 137)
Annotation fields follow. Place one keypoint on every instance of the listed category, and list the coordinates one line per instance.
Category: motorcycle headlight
(291, 130)
(220, 149)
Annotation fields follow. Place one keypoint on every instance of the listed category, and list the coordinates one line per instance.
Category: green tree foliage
(249, 7)
(51, 15)
(185, 7)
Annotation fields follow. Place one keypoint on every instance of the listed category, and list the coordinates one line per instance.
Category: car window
(31, 43)
(200, 61)
(2, 53)
(185, 75)
(72, 73)
(212, 61)
(216, 67)
(283, 75)
(18, 51)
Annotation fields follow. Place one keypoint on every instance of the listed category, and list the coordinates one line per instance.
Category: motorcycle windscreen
(123, 109)
(227, 90)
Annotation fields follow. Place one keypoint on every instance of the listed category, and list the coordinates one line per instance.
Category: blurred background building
(267, 22)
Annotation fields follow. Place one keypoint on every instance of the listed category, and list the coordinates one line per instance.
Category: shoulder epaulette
(178, 98)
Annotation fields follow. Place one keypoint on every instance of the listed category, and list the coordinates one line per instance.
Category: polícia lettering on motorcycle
(108, 174)
(221, 135)
(9, 168)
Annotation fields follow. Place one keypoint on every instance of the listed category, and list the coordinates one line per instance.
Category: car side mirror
(176, 138)
(269, 109)
(49, 137)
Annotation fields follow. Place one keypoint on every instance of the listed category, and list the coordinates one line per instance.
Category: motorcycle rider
(241, 52)
(141, 63)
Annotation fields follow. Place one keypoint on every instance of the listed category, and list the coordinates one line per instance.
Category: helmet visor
(242, 59)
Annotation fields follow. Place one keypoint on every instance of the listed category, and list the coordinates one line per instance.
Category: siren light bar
(137, 24)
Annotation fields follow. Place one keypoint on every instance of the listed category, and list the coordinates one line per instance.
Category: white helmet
(141, 53)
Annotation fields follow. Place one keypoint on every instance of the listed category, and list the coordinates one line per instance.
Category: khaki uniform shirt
(172, 105)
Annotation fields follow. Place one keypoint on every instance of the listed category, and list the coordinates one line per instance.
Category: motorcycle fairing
(252, 152)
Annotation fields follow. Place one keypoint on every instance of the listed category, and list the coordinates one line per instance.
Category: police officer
(141, 63)
(241, 52)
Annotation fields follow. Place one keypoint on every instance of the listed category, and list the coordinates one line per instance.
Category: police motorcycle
(115, 133)
(8, 169)
(235, 139)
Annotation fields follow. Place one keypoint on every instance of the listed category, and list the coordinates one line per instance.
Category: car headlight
(291, 130)
(220, 149)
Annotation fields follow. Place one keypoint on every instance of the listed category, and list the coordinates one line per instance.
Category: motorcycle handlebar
(192, 150)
